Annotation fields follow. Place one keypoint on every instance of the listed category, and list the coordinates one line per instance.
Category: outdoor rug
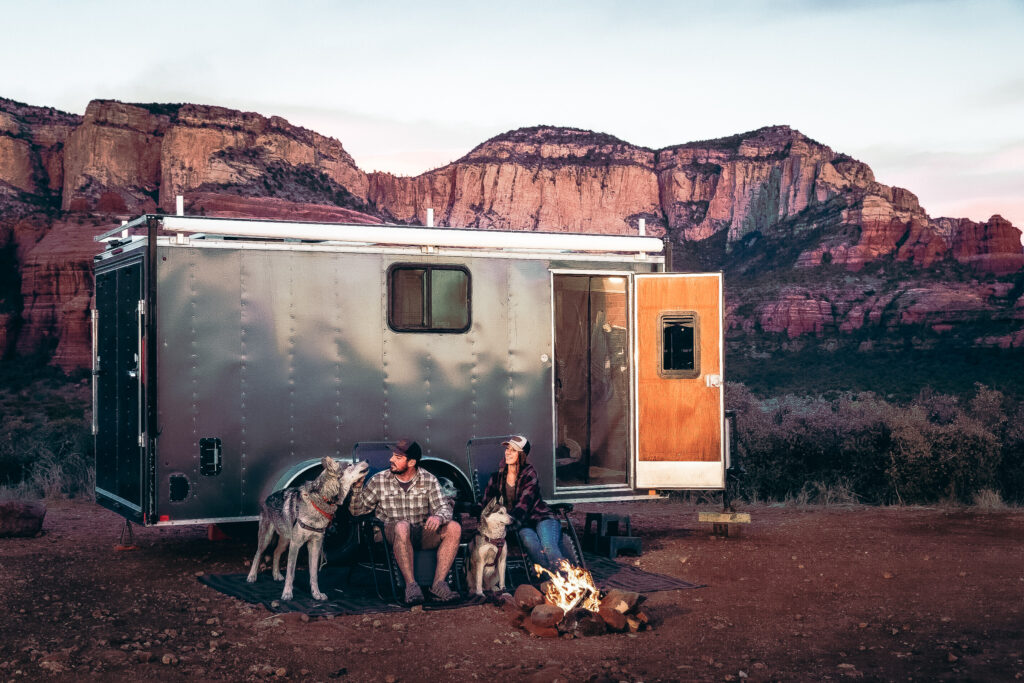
(351, 591)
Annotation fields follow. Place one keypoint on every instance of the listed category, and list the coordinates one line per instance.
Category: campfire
(570, 586)
(572, 606)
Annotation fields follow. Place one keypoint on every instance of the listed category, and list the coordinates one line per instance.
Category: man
(415, 514)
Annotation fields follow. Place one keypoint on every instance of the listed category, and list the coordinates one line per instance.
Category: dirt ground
(802, 594)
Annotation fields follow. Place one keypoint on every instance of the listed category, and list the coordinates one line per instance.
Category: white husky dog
(487, 551)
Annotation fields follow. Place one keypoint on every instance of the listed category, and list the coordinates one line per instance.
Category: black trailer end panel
(120, 452)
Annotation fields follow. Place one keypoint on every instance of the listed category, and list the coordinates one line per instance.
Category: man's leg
(451, 534)
(401, 546)
(446, 540)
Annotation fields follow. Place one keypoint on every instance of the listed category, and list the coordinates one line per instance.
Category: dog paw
(250, 579)
(319, 596)
(278, 577)
(287, 595)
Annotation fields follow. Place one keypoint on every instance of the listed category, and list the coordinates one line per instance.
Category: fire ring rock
(621, 601)
(546, 616)
(528, 597)
(20, 518)
(615, 619)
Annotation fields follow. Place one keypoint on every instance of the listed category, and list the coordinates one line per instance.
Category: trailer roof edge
(406, 235)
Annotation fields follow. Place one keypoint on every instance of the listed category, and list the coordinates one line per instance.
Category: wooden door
(680, 407)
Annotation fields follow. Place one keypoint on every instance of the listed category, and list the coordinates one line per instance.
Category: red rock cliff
(810, 241)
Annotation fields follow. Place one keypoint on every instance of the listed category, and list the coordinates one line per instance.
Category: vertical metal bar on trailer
(151, 350)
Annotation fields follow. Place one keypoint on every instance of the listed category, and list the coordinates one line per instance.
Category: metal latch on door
(713, 381)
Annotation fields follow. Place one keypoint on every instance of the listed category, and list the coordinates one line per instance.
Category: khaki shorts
(421, 538)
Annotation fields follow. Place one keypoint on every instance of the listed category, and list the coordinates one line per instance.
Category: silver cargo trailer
(230, 355)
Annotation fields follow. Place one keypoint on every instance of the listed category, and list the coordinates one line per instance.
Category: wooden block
(724, 517)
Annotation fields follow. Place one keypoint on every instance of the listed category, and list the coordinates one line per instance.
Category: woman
(515, 485)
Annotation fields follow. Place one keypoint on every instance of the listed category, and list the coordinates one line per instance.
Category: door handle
(133, 373)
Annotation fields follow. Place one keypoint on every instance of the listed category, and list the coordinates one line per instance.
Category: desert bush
(46, 446)
(857, 446)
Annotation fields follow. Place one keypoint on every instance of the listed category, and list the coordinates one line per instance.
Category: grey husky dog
(487, 550)
(300, 515)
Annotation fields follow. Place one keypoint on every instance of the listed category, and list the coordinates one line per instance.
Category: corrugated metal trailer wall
(285, 354)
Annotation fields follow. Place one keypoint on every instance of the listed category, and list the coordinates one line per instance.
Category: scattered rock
(21, 518)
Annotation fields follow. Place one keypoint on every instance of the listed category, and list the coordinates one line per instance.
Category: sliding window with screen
(427, 298)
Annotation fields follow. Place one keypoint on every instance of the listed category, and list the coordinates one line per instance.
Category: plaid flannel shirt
(383, 496)
(528, 508)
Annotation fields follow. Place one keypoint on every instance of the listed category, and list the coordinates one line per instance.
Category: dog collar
(310, 528)
(328, 515)
(496, 542)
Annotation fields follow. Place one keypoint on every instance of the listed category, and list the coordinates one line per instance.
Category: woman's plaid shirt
(383, 496)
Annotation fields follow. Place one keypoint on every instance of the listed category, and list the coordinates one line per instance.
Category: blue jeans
(544, 543)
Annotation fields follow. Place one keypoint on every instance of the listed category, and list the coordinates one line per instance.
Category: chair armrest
(561, 507)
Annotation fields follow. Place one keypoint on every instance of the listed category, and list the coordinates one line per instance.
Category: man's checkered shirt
(383, 496)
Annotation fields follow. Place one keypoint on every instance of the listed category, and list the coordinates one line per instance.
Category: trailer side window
(680, 345)
(427, 298)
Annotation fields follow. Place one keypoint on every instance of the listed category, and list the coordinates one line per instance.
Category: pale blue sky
(929, 93)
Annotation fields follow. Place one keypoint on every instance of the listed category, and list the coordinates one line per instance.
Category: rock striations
(814, 248)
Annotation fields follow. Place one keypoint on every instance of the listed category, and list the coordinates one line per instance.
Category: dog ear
(491, 506)
(329, 463)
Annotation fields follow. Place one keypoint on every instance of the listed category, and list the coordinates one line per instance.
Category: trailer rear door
(118, 367)
(680, 406)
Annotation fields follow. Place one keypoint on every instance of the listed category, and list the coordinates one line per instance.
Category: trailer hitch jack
(127, 538)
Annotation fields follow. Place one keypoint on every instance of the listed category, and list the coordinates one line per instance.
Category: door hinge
(142, 307)
(713, 380)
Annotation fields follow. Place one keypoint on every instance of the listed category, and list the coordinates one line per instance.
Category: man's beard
(395, 470)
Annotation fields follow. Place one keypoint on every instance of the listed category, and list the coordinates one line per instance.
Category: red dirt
(869, 593)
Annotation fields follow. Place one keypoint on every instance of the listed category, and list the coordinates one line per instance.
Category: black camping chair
(486, 456)
(378, 556)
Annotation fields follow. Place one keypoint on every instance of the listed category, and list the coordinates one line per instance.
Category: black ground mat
(350, 592)
(610, 574)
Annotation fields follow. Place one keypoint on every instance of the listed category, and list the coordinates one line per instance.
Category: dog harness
(498, 543)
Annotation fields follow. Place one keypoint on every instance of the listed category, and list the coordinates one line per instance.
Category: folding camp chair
(379, 558)
(486, 456)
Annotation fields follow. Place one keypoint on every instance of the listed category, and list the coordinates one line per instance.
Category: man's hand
(433, 523)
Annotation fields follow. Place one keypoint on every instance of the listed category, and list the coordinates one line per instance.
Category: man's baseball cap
(408, 448)
(518, 442)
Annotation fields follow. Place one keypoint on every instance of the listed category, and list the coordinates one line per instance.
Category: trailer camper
(230, 355)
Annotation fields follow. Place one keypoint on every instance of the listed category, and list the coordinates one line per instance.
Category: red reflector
(164, 518)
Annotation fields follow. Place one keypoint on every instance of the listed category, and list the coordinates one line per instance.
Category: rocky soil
(803, 594)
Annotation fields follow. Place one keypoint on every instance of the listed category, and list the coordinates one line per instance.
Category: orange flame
(570, 587)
